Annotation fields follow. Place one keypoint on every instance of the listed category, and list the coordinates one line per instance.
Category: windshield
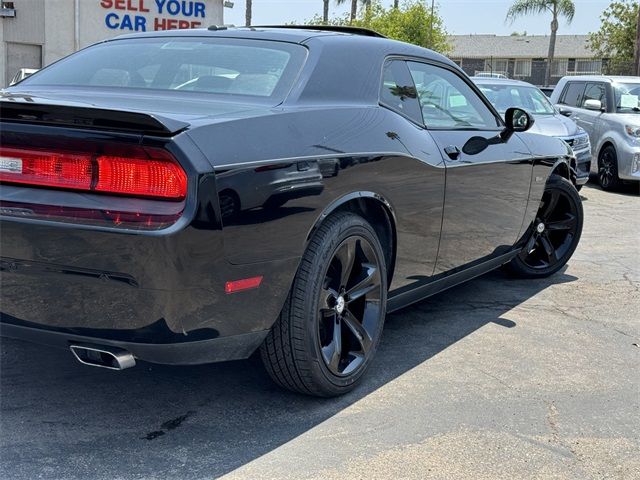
(529, 98)
(222, 66)
(627, 97)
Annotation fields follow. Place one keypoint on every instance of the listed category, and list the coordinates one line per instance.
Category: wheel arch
(563, 167)
(373, 207)
(605, 144)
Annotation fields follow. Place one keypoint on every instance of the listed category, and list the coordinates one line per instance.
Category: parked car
(491, 75)
(608, 108)
(114, 244)
(22, 74)
(547, 91)
(548, 121)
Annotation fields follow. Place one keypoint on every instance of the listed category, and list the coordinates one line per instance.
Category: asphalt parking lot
(498, 378)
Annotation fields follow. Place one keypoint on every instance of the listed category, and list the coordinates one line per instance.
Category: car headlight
(633, 130)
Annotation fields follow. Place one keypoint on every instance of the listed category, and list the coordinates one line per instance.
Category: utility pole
(636, 62)
(431, 29)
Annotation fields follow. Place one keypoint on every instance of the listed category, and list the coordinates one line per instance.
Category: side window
(398, 92)
(572, 95)
(447, 101)
(595, 91)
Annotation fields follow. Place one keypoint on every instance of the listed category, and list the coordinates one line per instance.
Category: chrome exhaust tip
(103, 356)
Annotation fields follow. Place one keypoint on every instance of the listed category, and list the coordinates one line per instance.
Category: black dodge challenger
(195, 196)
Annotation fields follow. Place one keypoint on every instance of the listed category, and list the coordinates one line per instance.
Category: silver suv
(608, 108)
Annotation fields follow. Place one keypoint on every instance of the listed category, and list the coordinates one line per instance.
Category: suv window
(573, 93)
(398, 92)
(447, 101)
(595, 91)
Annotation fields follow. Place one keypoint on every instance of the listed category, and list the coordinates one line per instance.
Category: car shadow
(627, 188)
(64, 420)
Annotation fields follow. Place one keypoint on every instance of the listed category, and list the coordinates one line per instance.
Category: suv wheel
(608, 169)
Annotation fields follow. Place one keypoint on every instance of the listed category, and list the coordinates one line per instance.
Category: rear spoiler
(24, 109)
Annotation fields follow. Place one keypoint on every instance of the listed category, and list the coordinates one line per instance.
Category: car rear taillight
(129, 171)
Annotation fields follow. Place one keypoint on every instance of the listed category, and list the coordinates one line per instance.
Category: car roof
(500, 81)
(600, 78)
(358, 38)
(282, 33)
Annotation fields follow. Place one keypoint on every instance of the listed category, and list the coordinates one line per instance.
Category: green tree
(325, 12)
(557, 8)
(412, 22)
(616, 38)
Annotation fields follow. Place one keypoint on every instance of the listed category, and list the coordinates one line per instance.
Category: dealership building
(35, 33)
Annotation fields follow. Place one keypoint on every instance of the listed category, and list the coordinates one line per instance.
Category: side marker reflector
(241, 285)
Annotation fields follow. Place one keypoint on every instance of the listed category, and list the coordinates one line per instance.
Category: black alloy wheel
(555, 232)
(349, 307)
(330, 326)
(608, 169)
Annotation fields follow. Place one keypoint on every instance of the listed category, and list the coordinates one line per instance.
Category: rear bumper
(234, 347)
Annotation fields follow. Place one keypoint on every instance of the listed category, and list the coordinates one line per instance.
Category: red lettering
(160, 23)
(106, 3)
(196, 24)
(142, 8)
(119, 4)
(172, 24)
(130, 7)
(183, 24)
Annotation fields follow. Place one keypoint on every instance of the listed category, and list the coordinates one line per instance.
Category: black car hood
(554, 126)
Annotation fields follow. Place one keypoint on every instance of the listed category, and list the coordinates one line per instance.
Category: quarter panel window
(447, 101)
(398, 91)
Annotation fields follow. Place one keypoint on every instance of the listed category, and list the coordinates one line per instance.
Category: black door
(487, 179)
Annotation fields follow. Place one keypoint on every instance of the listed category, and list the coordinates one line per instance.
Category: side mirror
(516, 120)
(595, 105)
(565, 112)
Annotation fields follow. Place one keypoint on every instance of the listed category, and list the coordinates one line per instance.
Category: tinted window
(398, 91)
(595, 91)
(212, 65)
(447, 101)
(572, 94)
(529, 98)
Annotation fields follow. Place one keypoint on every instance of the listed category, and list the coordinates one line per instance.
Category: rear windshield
(530, 98)
(223, 66)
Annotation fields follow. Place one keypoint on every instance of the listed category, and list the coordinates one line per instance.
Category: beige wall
(51, 25)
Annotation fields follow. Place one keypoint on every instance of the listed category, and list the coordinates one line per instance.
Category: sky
(478, 16)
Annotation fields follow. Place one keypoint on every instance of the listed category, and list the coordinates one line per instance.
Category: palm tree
(325, 12)
(247, 13)
(395, 3)
(565, 8)
(354, 6)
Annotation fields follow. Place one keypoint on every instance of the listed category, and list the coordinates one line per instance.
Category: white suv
(608, 108)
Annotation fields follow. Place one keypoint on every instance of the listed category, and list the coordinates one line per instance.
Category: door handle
(452, 152)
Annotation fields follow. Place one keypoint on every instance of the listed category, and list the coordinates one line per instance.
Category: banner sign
(150, 15)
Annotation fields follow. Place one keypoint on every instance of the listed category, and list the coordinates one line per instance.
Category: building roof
(518, 46)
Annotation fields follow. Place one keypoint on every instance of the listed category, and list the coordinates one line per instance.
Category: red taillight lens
(141, 173)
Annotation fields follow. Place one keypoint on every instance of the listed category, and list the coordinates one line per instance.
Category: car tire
(554, 234)
(608, 169)
(328, 331)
